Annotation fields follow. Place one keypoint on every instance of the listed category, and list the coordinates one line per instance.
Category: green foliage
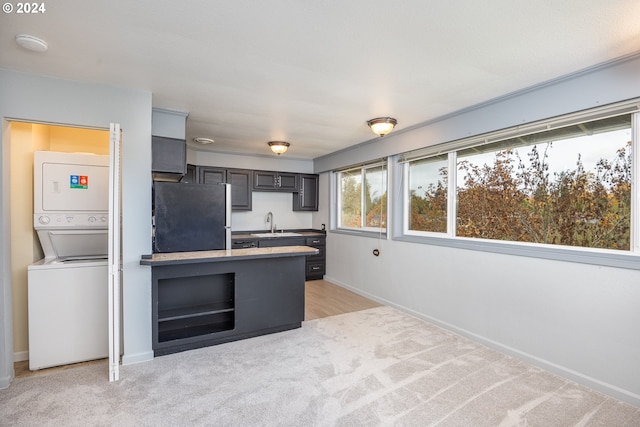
(352, 197)
(514, 201)
(351, 201)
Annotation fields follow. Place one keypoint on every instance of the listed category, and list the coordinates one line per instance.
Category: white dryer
(68, 289)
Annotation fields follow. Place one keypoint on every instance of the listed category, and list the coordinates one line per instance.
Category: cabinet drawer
(318, 256)
(315, 241)
(280, 241)
(315, 268)
(243, 244)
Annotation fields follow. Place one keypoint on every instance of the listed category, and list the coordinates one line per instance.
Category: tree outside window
(363, 198)
(569, 186)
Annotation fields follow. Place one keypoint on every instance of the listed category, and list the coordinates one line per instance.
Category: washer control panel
(71, 220)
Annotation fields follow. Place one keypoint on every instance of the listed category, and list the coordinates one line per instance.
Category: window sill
(602, 257)
(361, 233)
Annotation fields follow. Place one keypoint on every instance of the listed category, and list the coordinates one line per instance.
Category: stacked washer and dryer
(68, 289)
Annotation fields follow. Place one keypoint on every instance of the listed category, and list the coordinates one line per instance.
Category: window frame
(602, 257)
(336, 212)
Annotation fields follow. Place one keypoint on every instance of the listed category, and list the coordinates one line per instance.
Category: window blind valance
(369, 164)
(602, 119)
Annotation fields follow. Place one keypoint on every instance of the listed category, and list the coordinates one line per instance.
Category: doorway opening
(25, 138)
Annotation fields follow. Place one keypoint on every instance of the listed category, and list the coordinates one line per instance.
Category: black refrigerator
(191, 217)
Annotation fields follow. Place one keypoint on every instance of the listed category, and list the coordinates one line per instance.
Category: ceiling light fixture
(203, 141)
(31, 43)
(278, 147)
(382, 125)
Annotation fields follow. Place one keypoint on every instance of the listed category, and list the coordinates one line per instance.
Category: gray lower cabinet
(197, 305)
(281, 241)
(315, 265)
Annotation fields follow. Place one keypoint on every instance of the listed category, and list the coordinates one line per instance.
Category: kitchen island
(205, 298)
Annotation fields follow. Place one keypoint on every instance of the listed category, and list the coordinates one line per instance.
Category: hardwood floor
(322, 299)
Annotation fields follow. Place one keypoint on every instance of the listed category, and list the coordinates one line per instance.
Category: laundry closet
(60, 283)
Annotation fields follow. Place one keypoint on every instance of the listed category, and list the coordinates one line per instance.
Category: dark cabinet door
(264, 180)
(275, 181)
(191, 177)
(307, 197)
(210, 175)
(240, 181)
(316, 264)
(168, 155)
(287, 181)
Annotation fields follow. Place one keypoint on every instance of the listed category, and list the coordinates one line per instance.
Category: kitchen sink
(277, 234)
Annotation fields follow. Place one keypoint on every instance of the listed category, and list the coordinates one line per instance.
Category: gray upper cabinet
(275, 181)
(210, 175)
(240, 180)
(168, 155)
(168, 145)
(304, 187)
(306, 199)
(191, 176)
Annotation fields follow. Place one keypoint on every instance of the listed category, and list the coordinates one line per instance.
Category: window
(428, 186)
(362, 198)
(572, 189)
(567, 185)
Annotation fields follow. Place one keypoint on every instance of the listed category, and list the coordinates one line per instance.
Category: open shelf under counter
(169, 314)
(210, 297)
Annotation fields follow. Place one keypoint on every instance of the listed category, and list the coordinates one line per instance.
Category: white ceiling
(312, 72)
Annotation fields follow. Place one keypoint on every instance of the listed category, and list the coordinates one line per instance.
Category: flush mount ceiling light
(278, 147)
(382, 125)
(203, 141)
(31, 43)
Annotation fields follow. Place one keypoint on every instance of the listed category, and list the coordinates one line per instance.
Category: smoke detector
(31, 43)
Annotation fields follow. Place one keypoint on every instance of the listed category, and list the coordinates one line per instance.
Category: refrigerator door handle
(227, 225)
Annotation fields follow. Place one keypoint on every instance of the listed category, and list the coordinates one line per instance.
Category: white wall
(578, 320)
(42, 99)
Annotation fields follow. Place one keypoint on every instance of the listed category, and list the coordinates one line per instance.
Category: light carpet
(373, 367)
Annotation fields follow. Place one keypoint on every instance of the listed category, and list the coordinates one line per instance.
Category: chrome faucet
(270, 220)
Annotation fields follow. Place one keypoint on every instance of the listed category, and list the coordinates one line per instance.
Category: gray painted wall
(42, 99)
(578, 320)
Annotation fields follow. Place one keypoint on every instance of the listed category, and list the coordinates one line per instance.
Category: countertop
(247, 235)
(226, 255)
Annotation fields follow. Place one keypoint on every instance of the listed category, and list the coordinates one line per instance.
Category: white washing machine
(68, 289)
(68, 312)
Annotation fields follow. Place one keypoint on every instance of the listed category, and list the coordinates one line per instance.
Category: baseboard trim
(130, 359)
(595, 384)
(20, 356)
(5, 382)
